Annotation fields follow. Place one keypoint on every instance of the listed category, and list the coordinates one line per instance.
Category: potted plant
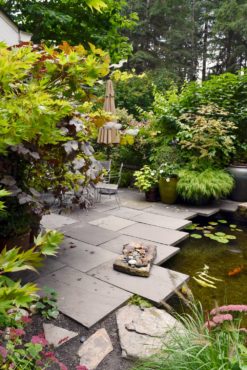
(238, 169)
(147, 181)
(168, 180)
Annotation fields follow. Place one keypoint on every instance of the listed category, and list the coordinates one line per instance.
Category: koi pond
(215, 257)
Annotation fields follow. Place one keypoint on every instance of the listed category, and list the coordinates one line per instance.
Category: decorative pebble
(132, 262)
(82, 339)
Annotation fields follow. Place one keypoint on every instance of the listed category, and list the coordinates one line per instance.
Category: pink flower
(231, 307)
(209, 324)
(218, 319)
(62, 366)
(81, 367)
(26, 319)
(244, 330)
(50, 355)
(39, 339)
(3, 352)
(16, 333)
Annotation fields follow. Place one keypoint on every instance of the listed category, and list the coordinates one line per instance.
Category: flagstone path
(82, 274)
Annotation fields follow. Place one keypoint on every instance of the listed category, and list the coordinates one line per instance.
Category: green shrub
(202, 186)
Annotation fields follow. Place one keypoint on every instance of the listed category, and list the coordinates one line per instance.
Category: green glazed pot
(168, 190)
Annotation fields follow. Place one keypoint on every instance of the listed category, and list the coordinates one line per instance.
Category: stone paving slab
(83, 256)
(228, 205)
(84, 298)
(161, 221)
(155, 234)
(206, 211)
(50, 264)
(164, 252)
(90, 234)
(162, 209)
(125, 212)
(54, 221)
(95, 349)
(112, 223)
(158, 286)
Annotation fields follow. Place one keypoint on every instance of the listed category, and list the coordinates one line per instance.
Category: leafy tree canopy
(75, 21)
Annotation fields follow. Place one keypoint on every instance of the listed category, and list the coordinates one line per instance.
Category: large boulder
(144, 331)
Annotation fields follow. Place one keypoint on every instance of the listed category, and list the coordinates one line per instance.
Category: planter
(23, 241)
(239, 174)
(152, 195)
(168, 190)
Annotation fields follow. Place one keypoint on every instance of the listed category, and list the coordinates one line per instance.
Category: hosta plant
(205, 185)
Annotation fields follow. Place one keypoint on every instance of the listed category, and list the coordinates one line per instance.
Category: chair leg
(117, 200)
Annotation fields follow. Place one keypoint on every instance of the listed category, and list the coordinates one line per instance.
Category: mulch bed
(67, 352)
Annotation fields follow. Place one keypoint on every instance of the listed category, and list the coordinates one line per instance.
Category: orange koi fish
(235, 271)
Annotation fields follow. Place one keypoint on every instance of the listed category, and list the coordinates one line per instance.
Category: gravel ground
(67, 352)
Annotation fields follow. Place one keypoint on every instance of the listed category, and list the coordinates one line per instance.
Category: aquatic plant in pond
(227, 261)
(218, 236)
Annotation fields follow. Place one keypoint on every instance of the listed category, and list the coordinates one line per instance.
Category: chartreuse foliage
(13, 294)
(46, 122)
(205, 185)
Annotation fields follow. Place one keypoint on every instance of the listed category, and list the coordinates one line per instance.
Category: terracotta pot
(168, 189)
(239, 174)
(23, 241)
(152, 195)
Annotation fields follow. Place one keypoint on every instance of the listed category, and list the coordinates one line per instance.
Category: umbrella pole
(108, 151)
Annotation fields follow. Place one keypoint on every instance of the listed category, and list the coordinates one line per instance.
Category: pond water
(227, 262)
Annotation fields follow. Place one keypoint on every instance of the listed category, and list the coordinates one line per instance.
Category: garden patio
(82, 274)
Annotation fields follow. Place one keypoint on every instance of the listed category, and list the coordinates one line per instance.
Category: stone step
(84, 298)
(89, 233)
(155, 233)
(82, 256)
(161, 221)
(160, 285)
(112, 223)
(164, 252)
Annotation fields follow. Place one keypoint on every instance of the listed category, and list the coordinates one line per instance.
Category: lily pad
(196, 236)
(191, 227)
(232, 226)
(231, 237)
(222, 240)
(220, 234)
(213, 223)
(210, 227)
(238, 229)
(199, 228)
(206, 232)
(222, 221)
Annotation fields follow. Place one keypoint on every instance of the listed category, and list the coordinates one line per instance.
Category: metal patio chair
(110, 188)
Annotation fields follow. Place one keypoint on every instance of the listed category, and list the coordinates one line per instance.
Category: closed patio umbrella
(109, 133)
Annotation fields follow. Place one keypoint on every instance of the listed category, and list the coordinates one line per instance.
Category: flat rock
(56, 336)
(144, 332)
(95, 349)
(112, 223)
(155, 233)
